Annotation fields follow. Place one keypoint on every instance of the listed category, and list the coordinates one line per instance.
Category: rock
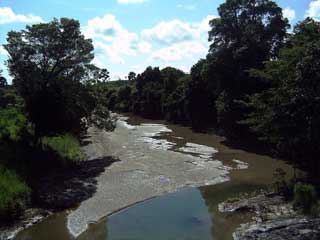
(257, 204)
(281, 229)
(274, 219)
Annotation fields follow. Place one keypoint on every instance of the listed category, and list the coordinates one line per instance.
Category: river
(167, 185)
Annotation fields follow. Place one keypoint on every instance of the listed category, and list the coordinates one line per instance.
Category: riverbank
(30, 217)
(274, 218)
(155, 159)
(59, 190)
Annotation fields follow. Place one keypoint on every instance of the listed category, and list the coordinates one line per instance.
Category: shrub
(13, 125)
(305, 198)
(66, 147)
(14, 195)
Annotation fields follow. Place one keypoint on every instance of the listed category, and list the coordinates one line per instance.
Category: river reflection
(180, 215)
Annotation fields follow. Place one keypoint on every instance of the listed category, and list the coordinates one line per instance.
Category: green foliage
(14, 195)
(175, 104)
(151, 94)
(245, 34)
(66, 146)
(305, 198)
(200, 96)
(49, 69)
(123, 98)
(287, 114)
(13, 125)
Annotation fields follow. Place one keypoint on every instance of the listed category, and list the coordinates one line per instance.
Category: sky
(129, 35)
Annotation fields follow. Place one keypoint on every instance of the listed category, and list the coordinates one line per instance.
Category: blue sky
(130, 35)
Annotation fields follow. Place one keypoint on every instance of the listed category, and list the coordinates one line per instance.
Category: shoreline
(273, 218)
(31, 217)
(60, 191)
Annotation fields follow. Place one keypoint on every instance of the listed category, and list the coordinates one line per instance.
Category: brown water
(190, 213)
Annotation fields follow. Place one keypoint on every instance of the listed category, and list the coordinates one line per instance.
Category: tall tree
(246, 33)
(286, 116)
(199, 103)
(48, 63)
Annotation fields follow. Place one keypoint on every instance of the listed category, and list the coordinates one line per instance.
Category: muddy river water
(173, 180)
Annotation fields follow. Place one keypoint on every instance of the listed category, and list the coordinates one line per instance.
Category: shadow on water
(250, 146)
(65, 188)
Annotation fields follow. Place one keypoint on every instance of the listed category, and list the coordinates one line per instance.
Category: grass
(14, 194)
(66, 146)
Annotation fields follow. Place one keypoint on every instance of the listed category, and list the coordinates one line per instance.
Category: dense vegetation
(55, 94)
(258, 82)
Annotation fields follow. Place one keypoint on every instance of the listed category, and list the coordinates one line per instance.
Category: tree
(49, 63)
(254, 28)
(171, 78)
(147, 99)
(123, 98)
(198, 98)
(3, 80)
(175, 104)
(286, 116)
(247, 33)
(131, 76)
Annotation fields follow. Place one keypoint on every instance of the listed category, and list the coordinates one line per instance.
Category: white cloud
(314, 9)
(131, 1)
(8, 16)
(144, 47)
(3, 51)
(183, 40)
(170, 32)
(289, 13)
(204, 25)
(184, 68)
(179, 51)
(174, 43)
(111, 38)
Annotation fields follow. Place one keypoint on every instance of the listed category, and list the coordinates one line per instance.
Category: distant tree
(171, 78)
(49, 63)
(132, 76)
(3, 80)
(175, 109)
(103, 75)
(199, 100)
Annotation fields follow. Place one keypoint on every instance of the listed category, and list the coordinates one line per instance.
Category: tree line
(258, 81)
